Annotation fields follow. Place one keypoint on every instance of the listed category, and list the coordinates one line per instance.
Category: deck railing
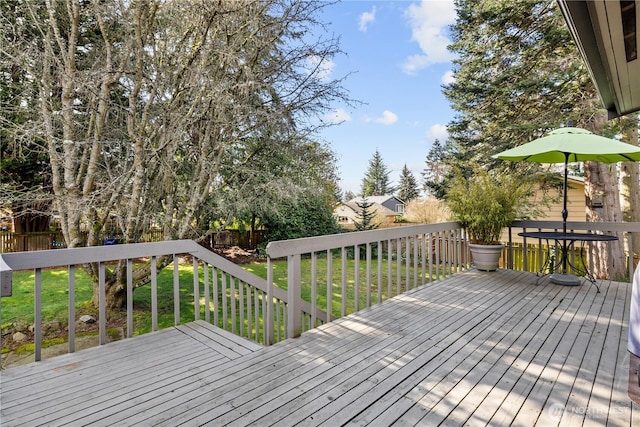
(309, 281)
(223, 293)
(530, 254)
(347, 272)
(232, 298)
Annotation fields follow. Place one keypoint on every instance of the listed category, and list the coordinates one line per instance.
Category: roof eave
(587, 25)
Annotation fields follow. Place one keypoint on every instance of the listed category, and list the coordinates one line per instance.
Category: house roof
(605, 32)
(376, 207)
(375, 199)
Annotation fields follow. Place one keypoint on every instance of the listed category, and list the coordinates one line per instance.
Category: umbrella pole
(564, 278)
(565, 214)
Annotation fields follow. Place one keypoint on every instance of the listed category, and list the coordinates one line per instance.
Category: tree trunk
(115, 295)
(630, 179)
(116, 280)
(603, 205)
(607, 259)
(631, 199)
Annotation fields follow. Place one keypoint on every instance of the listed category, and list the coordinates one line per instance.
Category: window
(628, 11)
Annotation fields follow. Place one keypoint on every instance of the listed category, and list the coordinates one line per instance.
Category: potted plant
(484, 203)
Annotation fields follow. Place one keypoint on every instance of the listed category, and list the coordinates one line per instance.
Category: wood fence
(24, 242)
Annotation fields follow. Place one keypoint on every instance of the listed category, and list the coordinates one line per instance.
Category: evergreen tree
(517, 76)
(348, 195)
(435, 169)
(308, 216)
(376, 182)
(366, 216)
(408, 189)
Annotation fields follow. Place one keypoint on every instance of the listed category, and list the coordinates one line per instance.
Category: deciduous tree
(150, 110)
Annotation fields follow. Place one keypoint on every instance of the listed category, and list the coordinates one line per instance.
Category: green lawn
(19, 307)
(280, 280)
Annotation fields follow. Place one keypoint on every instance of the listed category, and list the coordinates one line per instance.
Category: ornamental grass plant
(486, 202)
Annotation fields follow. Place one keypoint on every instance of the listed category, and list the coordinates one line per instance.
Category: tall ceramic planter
(485, 257)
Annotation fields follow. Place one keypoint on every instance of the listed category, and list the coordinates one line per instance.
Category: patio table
(566, 241)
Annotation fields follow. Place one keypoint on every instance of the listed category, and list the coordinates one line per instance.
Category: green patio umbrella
(569, 145)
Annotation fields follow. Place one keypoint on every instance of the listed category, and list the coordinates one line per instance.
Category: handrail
(622, 229)
(235, 284)
(404, 258)
(283, 248)
(628, 227)
(346, 272)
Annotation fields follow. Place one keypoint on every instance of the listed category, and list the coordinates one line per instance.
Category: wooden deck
(475, 349)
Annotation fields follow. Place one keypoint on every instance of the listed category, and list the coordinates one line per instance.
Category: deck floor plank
(600, 400)
(515, 386)
(73, 373)
(154, 362)
(506, 353)
(621, 409)
(436, 402)
(219, 339)
(560, 406)
(406, 394)
(369, 383)
(590, 343)
(553, 356)
(475, 348)
(405, 311)
(69, 363)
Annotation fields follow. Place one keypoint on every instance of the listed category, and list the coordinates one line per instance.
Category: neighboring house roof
(375, 207)
(576, 179)
(606, 35)
(376, 199)
(389, 201)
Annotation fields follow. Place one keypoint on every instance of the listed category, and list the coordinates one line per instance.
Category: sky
(397, 52)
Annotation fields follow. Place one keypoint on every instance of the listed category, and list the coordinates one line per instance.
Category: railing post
(294, 311)
(129, 297)
(176, 290)
(37, 315)
(630, 259)
(6, 278)
(510, 251)
(196, 289)
(102, 305)
(154, 294)
(72, 308)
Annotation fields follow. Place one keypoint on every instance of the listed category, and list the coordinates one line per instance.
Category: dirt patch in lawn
(238, 255)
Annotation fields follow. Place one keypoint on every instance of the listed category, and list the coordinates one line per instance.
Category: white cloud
(338, 116)
(367, 18)
(324, 67)
(437, 131)
(429, 21)
(388, 118)
(448, 78)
